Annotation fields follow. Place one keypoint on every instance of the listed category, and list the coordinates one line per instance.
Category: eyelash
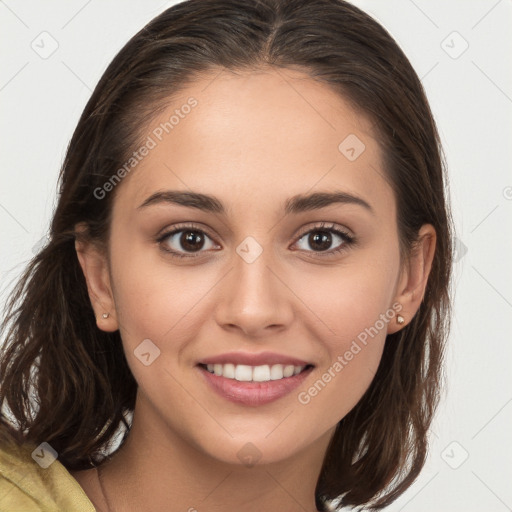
(348, 239)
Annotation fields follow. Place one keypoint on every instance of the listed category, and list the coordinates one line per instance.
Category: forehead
(256, 138)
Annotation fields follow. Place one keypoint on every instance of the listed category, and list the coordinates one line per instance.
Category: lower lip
(253, 393)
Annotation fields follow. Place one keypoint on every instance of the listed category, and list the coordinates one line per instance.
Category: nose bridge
(253, 297)
(252, 277)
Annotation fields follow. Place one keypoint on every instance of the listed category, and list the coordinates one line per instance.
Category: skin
(254, 140)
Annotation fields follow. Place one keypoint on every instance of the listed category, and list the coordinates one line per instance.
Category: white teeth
(246, 373)
(243, 372)
(297, 369)
(261, 373)
(228, 370)
(276, 372)
(288, 370)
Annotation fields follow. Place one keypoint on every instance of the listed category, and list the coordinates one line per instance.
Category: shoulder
(33, 480)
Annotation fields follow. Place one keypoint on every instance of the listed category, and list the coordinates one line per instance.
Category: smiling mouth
(260, 373)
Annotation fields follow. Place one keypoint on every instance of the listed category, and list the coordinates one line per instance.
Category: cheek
(159, 303)
(353, 310)
(349, 299)
(340, 384)
(155, 299)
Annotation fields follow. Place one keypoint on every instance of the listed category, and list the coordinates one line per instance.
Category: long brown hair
(78, 376)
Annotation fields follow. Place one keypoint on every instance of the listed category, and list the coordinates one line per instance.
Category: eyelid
(327, 226)
(181, 226)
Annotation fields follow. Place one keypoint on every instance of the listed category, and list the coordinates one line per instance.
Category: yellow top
(33, 480)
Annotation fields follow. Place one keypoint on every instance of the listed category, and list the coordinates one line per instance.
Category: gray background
(459, 49)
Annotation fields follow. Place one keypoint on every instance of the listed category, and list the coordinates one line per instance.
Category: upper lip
(254, 359)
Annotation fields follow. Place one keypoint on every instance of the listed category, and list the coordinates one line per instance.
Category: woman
(248, 271)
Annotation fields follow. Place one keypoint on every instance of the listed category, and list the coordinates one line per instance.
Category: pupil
(188, 239)
(323, 241)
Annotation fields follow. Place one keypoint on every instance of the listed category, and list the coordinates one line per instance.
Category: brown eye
(320, 239)
(184, 242)
(191, 240)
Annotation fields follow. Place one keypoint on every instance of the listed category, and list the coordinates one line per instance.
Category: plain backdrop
(54, 52)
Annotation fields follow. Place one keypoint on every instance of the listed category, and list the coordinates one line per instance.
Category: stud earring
(105, 315)
(400, 319)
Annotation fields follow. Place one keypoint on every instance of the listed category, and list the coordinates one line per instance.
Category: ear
(94, 262)
(414, 277)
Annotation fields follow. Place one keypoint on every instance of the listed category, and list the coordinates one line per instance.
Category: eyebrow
(294, 205)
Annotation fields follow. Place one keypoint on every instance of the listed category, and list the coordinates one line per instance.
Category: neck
(156, 468)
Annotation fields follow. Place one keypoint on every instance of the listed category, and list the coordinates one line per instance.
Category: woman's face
(255, 277)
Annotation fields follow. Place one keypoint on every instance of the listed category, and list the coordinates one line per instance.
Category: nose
(254, 297)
